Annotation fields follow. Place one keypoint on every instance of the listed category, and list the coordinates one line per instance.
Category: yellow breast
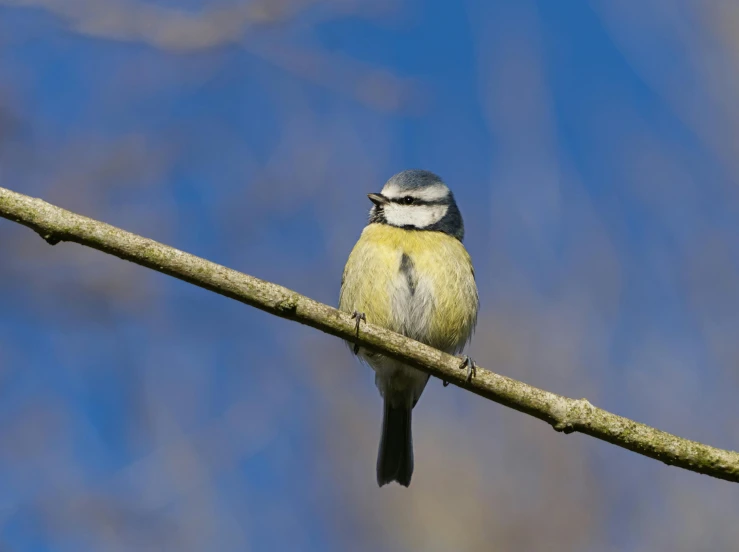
(418, 283)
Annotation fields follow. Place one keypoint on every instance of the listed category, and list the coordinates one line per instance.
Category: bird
(410, 273)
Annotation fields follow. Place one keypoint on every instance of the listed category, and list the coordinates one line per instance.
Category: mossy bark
(566, 415)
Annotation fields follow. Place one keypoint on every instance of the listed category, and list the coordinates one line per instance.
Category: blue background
(592, 149)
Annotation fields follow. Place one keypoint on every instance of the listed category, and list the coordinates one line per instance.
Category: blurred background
(592, 147)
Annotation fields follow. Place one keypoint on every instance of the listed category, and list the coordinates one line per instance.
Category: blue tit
(410, 273)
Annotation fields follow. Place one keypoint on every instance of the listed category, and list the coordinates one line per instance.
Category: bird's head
(417, 200)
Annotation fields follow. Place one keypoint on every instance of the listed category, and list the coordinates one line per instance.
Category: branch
(174, 29)
(566, 415)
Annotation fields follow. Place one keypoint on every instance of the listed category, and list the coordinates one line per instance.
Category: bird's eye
(407, 200)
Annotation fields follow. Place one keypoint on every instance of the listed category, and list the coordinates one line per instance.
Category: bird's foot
(468, 363)
(359, 317)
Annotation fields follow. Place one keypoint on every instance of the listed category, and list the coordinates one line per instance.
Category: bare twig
(179, 30)
(566, 415)
(173, 29)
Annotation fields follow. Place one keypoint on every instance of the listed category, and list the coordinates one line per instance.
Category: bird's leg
(468, 363)
(359, 317)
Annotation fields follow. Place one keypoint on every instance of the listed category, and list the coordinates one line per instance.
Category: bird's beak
(378, 199)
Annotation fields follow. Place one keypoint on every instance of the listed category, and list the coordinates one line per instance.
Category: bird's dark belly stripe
(409, 271)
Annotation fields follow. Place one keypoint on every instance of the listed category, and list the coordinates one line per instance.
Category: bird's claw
(359, 317)
(468, 363)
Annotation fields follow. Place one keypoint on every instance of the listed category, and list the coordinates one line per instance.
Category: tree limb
(566, 415)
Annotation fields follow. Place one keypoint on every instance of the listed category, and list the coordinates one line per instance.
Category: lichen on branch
(564, 414)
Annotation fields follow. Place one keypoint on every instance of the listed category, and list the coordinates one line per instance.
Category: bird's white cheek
(419, 216)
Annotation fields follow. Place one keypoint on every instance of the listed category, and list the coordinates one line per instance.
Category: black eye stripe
(416, 201)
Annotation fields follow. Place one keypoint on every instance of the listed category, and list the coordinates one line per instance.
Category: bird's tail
(395, 457)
